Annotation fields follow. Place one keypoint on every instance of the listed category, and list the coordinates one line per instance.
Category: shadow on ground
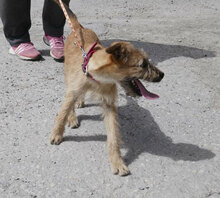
(45, 52)
(144, 135)
(141, 134)
(161, 52)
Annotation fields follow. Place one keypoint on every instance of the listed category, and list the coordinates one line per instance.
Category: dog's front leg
(113, 140)
(58, 130)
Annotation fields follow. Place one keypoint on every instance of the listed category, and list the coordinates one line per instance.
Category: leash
(78, 43)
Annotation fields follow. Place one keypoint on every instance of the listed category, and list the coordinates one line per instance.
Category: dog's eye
(144, 63)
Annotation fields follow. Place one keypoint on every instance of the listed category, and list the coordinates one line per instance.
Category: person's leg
(16, 21)
(53, 24)
(53, 18)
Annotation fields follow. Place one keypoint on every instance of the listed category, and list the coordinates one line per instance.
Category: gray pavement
(171, 145)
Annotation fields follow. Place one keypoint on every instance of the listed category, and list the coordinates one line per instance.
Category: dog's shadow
(141, 134)
(160, 52)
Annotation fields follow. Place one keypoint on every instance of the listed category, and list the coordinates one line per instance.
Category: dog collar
(86, 59)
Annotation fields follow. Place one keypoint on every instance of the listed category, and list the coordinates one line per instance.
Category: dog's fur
(121, 62)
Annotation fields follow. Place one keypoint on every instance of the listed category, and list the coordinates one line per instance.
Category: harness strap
(86, 61)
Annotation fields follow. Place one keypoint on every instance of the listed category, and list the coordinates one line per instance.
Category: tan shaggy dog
(120, 63)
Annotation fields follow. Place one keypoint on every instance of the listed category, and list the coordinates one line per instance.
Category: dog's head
(126, 64)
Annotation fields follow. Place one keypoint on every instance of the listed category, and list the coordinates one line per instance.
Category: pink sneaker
(56, 46)
(26, 51)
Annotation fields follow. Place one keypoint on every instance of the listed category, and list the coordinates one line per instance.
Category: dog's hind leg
(113, 140)
(72, 120)
(61, 119)
(80, 102)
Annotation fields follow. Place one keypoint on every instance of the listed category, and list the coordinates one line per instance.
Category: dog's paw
(120, 168)
(79, 104)
(56, 138)
(72, 121)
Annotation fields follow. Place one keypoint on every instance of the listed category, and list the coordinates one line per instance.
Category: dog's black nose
(161, 75)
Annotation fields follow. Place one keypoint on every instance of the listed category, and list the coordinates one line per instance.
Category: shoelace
(57, 42)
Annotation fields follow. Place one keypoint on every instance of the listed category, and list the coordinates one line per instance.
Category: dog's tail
(75, 23)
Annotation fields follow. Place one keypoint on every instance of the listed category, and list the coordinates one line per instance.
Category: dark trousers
(15, 16)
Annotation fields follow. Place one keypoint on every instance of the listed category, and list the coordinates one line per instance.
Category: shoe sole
(11, 51)
(58, 59)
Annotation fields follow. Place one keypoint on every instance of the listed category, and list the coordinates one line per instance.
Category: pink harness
(87, 56)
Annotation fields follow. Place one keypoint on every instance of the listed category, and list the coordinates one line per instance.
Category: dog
(120, 63)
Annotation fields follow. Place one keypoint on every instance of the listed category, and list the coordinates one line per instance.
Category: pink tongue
(145, 92)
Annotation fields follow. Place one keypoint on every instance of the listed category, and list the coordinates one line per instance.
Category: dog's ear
(118, 51)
